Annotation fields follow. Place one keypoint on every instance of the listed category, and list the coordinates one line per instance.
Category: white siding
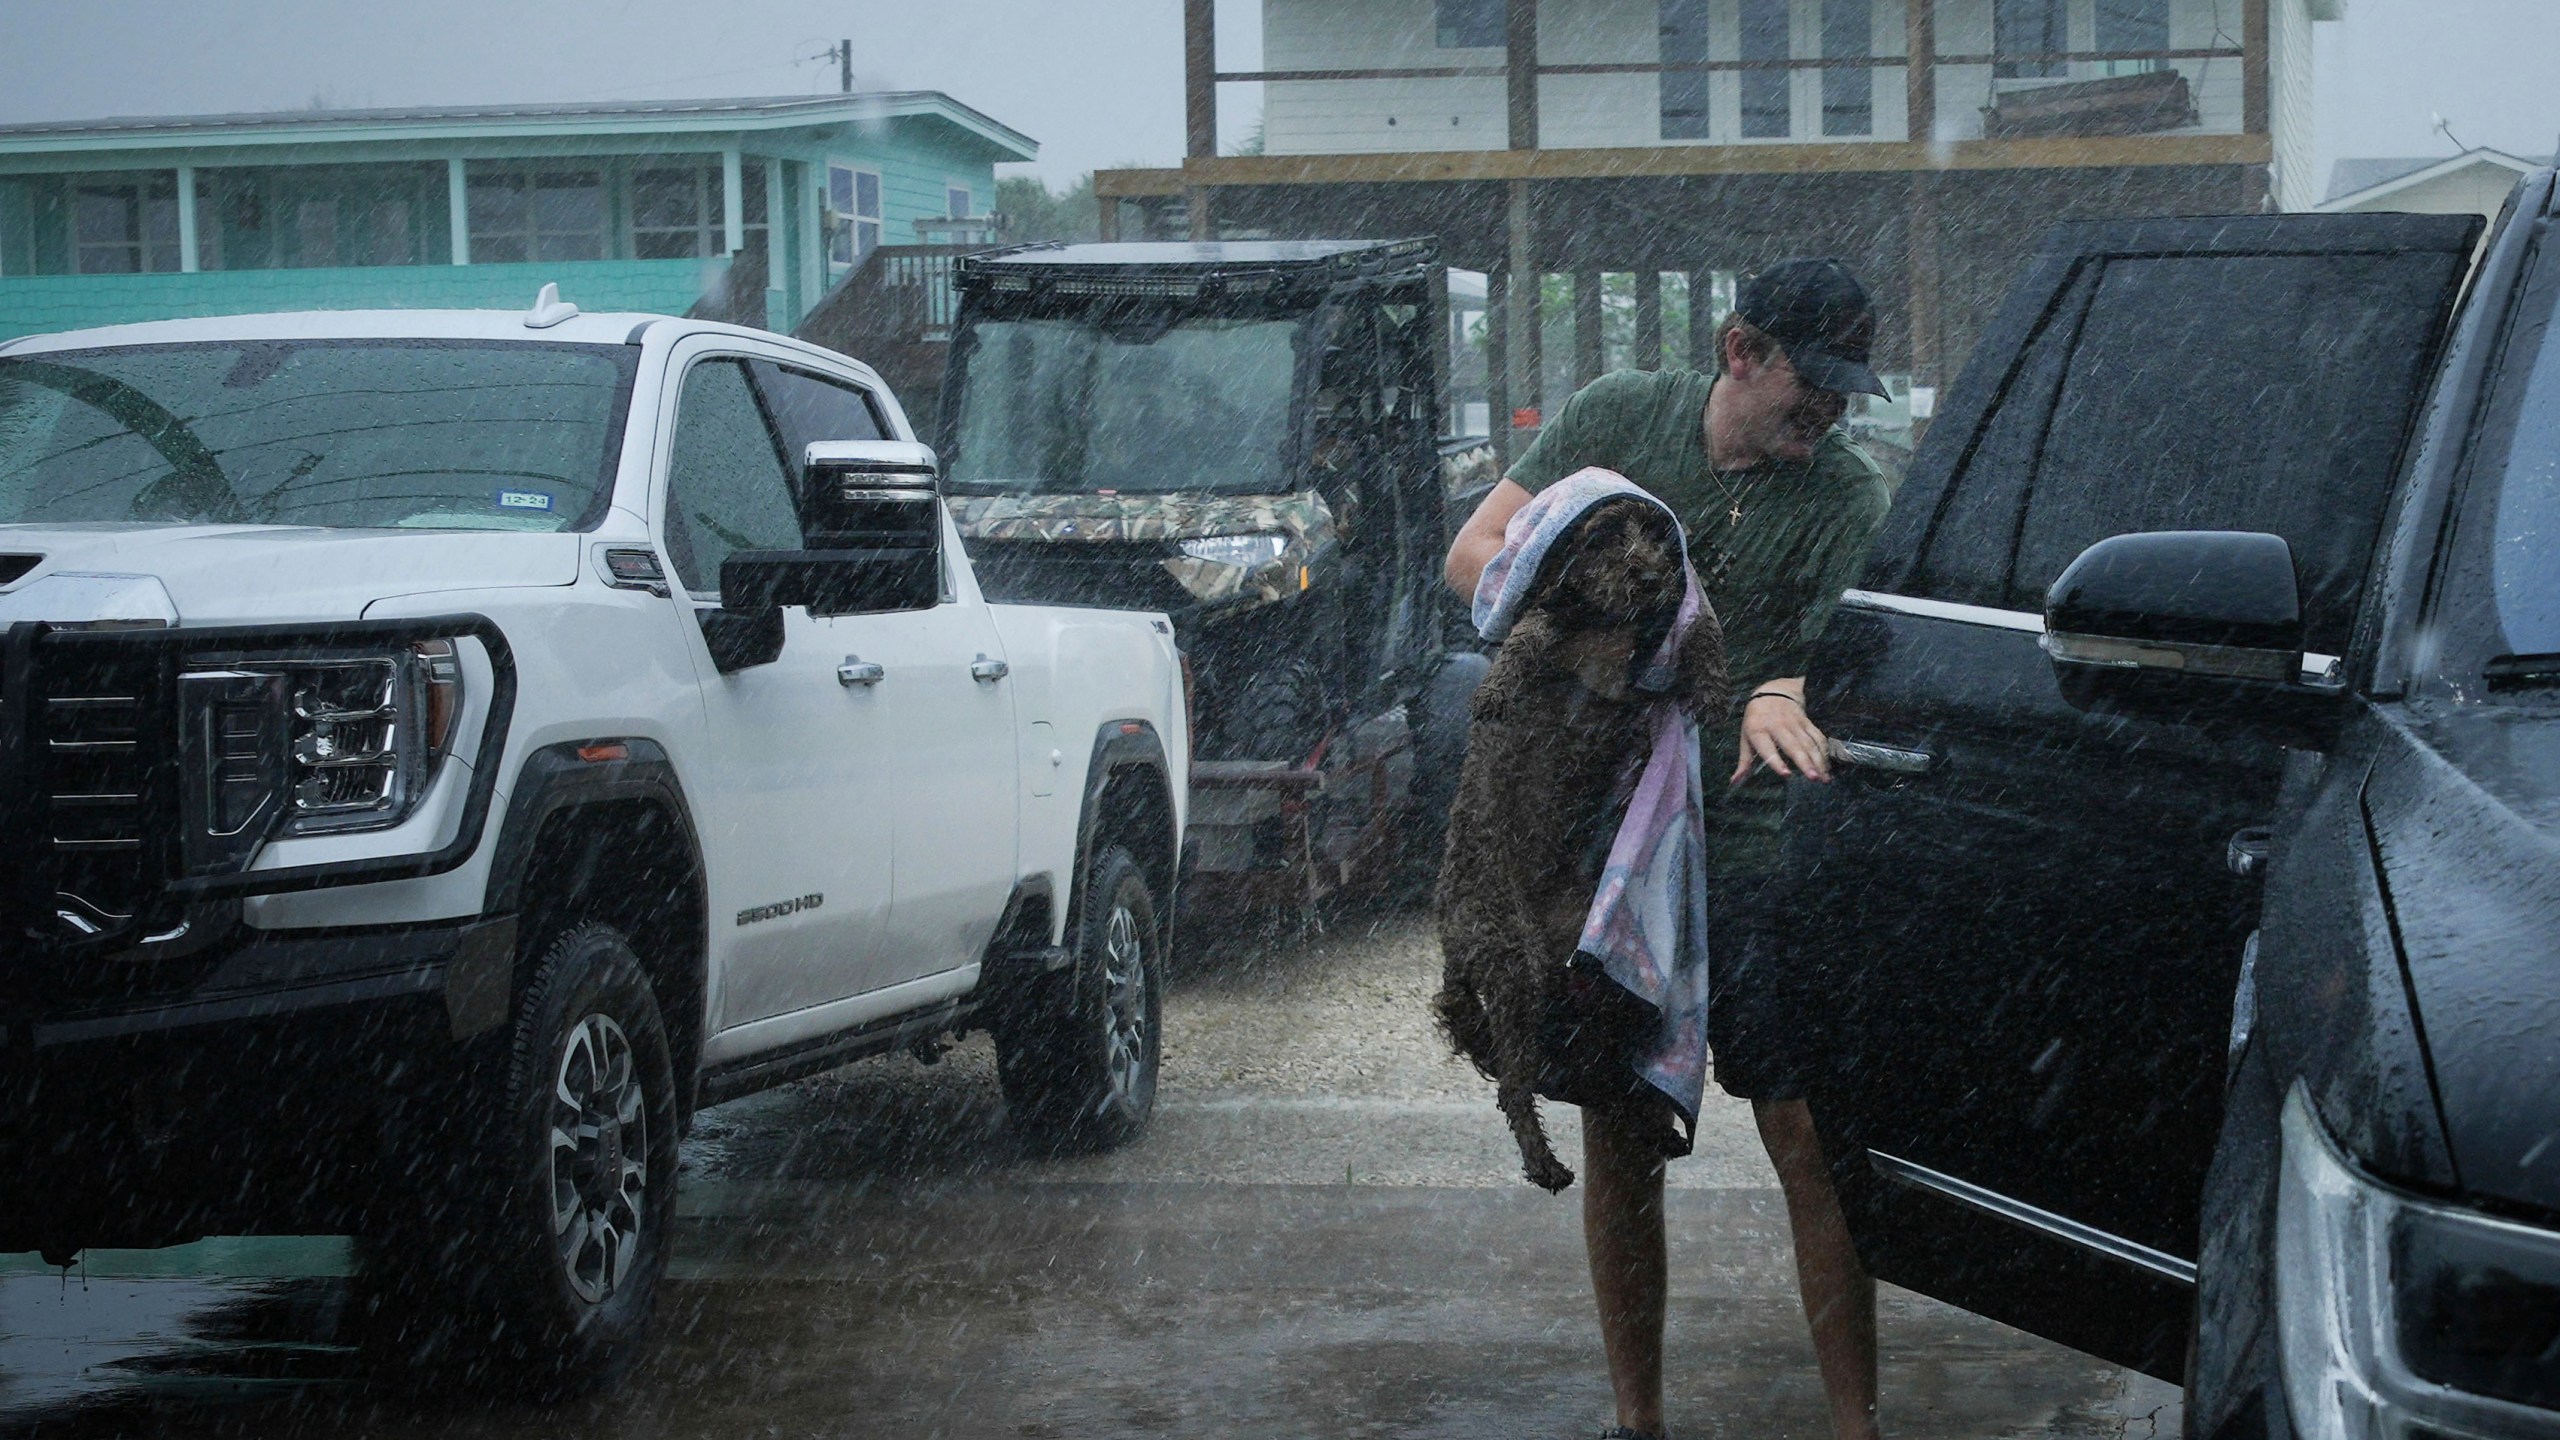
(1367, 116)
(1964, 91)
(2293, 184)
(1334, 117)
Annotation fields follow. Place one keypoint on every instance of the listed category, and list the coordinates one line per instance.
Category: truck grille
(100, 751)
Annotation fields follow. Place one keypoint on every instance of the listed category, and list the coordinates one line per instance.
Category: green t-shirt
(1772, 576)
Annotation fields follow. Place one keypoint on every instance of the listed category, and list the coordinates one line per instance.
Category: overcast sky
(1097, 82)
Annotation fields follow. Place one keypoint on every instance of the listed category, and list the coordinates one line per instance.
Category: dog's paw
(1549, 1175)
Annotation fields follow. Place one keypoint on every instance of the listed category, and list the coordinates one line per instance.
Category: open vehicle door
(2032, 919)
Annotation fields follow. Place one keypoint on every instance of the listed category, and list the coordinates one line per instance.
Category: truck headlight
(311, 746)
(366, 733)
(2397, 1315)
(1247, 552)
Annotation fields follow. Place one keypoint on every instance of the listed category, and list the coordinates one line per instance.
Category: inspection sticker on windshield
(524, 500)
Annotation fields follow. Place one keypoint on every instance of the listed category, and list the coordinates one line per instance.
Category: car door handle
(857, 671)
(1891, 758)
(983, 668)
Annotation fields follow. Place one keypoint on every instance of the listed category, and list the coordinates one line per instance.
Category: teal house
(639, 206)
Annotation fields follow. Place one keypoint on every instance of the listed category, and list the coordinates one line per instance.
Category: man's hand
(1777, 732)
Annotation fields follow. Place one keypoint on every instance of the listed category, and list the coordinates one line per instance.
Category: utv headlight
(2400, 1316)
(1246, 552)
(312, 746)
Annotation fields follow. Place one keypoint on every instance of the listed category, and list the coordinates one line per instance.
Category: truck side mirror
(871, 525)
(2189, 625)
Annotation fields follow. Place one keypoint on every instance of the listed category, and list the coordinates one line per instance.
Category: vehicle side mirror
(2187, 625)
(871, 522)
(865, 493)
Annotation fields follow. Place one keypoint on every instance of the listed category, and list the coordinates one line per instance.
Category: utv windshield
(431, 434)
(1068, 407)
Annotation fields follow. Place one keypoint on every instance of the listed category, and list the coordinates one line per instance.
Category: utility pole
(841, 52)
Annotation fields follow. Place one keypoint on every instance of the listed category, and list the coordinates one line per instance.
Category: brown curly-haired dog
(1556, 727)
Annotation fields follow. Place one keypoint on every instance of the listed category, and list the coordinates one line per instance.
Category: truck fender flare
(575, 773)
(1132, 748)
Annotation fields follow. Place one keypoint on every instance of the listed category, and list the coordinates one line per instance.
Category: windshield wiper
(2522, 672)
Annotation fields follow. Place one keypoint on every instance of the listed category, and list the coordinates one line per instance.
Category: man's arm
(1480, 539)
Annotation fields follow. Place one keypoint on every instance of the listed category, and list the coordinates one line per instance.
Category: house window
(853, 213)
(1469, 24)
(2132, 25)
(1766, 94)
(675, 212)
(124, 226)
(1684, 92)
(1848, 96)
(530, 214)
(2029, 27)
(315, 232)
(957, 202)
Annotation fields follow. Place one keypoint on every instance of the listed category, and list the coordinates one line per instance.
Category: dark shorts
(1756, 1000)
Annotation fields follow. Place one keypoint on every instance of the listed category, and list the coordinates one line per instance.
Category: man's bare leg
(1622, 1230)
(1839, 1297)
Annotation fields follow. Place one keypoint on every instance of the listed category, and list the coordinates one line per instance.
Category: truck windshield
(2525, 560)
(1065, 406)
(430, 434)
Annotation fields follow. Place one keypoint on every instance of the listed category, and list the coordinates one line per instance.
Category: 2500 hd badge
(780, 908)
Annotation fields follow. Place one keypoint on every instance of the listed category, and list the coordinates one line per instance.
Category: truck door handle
(1891, 758)
(2247, 852)
(985, 669)
(857, 671)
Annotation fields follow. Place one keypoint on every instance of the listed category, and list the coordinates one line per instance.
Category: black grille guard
(34, 652)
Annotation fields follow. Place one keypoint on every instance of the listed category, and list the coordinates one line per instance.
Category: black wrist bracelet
(1772, 695)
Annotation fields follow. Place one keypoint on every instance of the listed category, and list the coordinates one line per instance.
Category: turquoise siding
(265, 214)
(32, 304)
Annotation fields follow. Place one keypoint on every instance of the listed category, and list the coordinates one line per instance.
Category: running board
(742, 1077)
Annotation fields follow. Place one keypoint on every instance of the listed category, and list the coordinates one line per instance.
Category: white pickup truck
(441, 750)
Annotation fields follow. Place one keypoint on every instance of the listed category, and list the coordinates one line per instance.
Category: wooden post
(1703, 320)
(1920, 71)
(1497, 359)
(1107, 217)
(1195, 200)
(1527, 361)
(1588, 356)
(1520, 42)
(2253, 67)
(1921, 276)
(2256, 110)
(1200, 78)
(1648, 354)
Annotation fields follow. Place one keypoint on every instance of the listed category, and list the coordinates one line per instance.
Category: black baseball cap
(1818, 313)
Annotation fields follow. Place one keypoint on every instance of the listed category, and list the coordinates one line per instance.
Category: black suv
(2191, 882)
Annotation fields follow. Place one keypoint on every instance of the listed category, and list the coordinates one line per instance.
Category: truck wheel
(1278, 713)
(1079, 1058)
(543, 1267)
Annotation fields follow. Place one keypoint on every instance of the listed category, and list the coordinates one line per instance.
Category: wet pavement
(1324, 1234)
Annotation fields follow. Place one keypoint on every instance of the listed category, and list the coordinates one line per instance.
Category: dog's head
(1614, 585)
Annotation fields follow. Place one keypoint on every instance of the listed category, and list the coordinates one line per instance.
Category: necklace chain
(1724, 553)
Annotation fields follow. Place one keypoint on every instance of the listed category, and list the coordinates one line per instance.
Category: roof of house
(2362, 180)
(437, 122)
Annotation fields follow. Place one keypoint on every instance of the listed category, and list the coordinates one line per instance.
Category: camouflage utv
(1243, 435)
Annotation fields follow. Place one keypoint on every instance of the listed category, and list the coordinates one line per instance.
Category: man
(1779, 507)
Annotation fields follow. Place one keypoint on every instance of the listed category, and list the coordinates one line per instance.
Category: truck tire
(1079, 1057)
(1278, 713)
(536, 1263)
